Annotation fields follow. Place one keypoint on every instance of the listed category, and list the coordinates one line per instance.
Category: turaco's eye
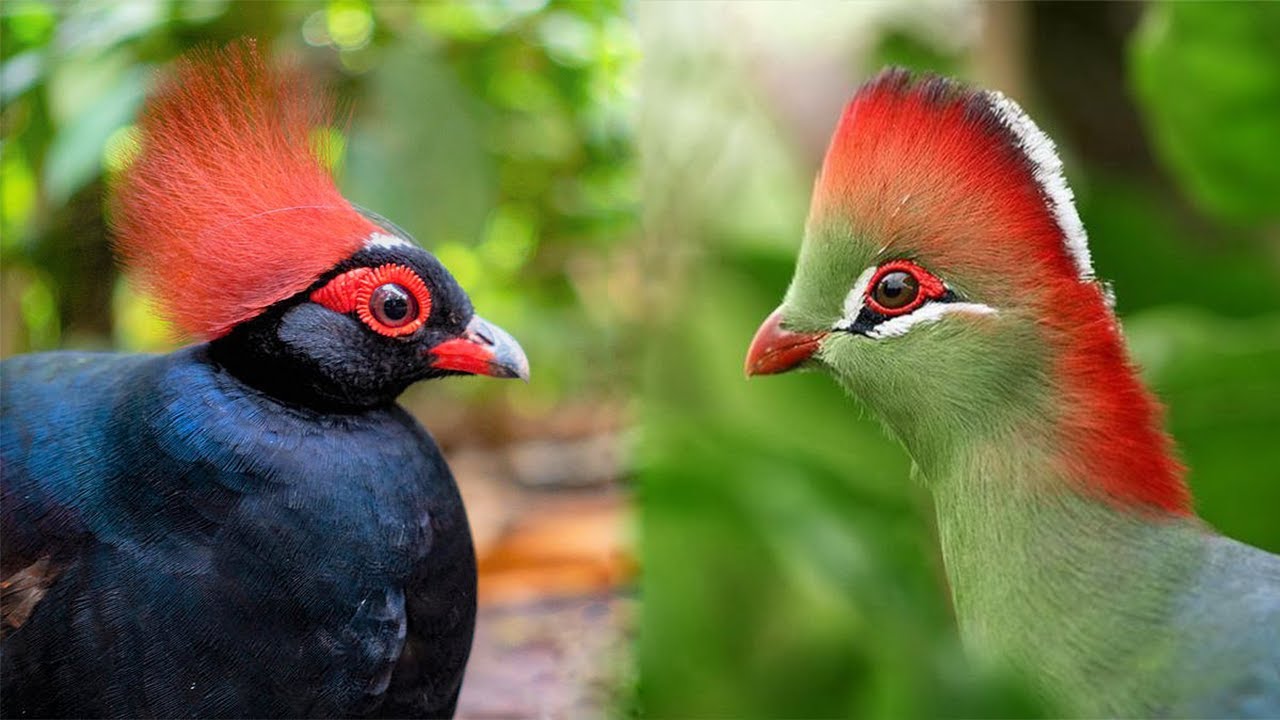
(390, 299)
(900, 286)
(393, 306)
(896, 290)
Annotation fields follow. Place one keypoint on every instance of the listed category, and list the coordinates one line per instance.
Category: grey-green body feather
(1114, 614)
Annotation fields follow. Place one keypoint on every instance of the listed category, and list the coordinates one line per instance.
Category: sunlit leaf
(20, 73)
(1218, 378)
(349, 23)
(415, 154)
(30, 22)
(75, 156)
(137, 327)
(40, 313)
(98, 26)
(1206, 78)
(121, 148)
(17, 194)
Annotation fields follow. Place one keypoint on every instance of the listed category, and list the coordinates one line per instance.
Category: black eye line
(868, 319)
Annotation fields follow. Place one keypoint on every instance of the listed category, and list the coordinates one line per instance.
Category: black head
(385, 318)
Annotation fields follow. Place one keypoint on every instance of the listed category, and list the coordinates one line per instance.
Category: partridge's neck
(1074, 590)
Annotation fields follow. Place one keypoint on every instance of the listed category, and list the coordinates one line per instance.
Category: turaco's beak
(775, 350)
(482, 349)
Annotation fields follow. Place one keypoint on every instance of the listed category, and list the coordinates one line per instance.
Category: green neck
(1072, 590)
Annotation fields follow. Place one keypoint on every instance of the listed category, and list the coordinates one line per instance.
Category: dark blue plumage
(252, 526)
(223, 553)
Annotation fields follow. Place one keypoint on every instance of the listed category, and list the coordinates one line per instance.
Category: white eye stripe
(927, 313)
(897, 326)
(854, 301)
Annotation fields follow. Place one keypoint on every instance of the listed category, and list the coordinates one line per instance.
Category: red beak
(482, 349)
(775, 350)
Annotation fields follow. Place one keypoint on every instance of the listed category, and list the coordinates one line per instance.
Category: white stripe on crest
(1048, 172)
(383, 240)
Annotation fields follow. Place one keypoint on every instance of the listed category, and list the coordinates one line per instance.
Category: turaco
(249, 526)
(945, 281)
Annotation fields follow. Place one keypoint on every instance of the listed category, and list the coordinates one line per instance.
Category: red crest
(228, 209)
(965, 177)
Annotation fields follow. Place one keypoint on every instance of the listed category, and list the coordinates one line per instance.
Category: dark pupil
(896, 289)
(393, 305)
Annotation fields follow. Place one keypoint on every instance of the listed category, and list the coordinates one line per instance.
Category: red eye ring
(929, 287)
(352, 290)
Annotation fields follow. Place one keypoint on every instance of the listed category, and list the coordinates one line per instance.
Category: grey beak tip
(520, 369)
(509, 357)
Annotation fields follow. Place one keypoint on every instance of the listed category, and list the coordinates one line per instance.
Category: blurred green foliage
(790, 563)
(790, 567)
(497, 133)
(1206, 76)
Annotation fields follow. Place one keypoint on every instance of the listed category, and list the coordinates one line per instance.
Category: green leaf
(1217, 377)
(75, 156)
(1205, 78)
(20, 73)
(416, 153)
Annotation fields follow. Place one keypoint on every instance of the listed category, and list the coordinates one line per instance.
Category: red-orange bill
(483, 349)
(776, 350)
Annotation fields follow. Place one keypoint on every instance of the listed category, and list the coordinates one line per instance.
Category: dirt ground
(550, 514)
(556, 658)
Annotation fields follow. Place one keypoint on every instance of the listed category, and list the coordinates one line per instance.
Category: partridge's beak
(775, 350)
(482, 349)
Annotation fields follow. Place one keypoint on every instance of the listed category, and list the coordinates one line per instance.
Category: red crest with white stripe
(963, 170)
(965, 180)
(228, 208)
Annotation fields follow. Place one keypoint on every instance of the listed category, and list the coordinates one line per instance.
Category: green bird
(945, 281)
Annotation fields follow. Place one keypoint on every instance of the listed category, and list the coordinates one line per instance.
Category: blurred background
(789, 564)
(500, 135)
(623, 187)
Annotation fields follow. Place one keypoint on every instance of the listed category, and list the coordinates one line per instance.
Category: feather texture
(227, 208)
(1069, 541)
(963, 181)
(224, 554)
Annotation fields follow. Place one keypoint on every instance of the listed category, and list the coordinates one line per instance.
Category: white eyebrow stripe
(927, 313)
(383, 240)
(854, 300)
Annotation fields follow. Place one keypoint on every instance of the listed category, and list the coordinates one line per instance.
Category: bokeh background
(790, 567)
(623, 187)
(500, 135)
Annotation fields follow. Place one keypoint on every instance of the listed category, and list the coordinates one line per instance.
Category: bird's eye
(390, 299)
(900, 286)
(393, 306)
(896, 290)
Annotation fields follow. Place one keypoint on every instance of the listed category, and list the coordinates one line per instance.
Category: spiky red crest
(964, 180)
(227, 207)
(960, 172)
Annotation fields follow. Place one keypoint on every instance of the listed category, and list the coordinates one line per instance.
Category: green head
(945, 280)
